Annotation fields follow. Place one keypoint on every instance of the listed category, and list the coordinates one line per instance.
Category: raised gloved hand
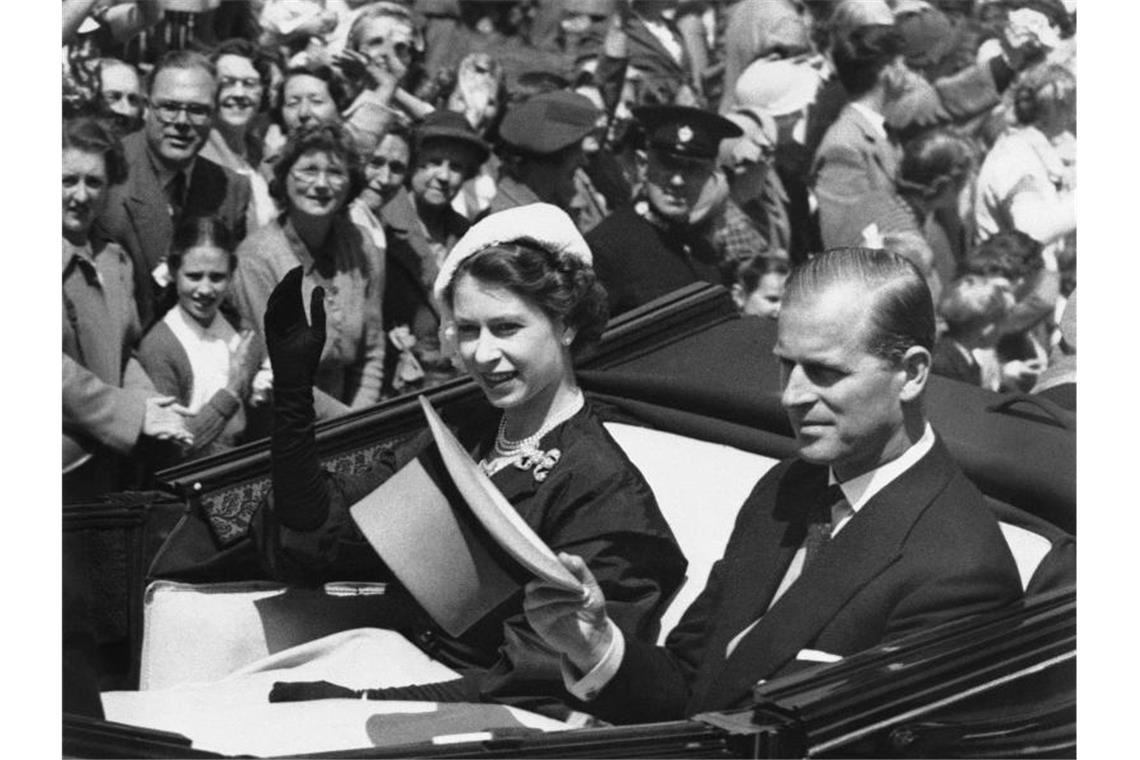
(293, 344)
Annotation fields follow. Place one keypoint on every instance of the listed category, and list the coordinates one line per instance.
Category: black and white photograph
(578, 378)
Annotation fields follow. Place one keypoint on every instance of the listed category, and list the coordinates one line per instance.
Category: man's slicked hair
(900, 309)
(181, 59)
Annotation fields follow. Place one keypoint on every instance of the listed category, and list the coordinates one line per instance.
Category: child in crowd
(759, 285)
(972, 308)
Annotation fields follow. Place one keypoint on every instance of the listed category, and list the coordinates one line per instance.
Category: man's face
(844, 403)
(179, 114)
(122, 94)
(385, 171)
(552, 178)
(307, 100)
(673, 183)
(441, 168)
(239, 91)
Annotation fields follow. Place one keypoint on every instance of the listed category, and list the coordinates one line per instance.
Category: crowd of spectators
(211, 146)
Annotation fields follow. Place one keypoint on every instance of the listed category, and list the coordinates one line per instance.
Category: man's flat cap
(684, 131)
(548, 122)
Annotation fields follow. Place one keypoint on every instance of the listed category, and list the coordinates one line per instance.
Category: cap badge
(684, 134)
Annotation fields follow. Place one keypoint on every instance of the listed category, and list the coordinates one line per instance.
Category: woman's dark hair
(333, 139)
(200, 232)
(933, 161)
(338, 91)
(750, 271)
(256, 56)
(1012, 254)
(861, 55)
(563, 286)
(90, 135)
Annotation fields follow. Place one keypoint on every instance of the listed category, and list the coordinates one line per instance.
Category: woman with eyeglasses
(234, 142)
(316, 177)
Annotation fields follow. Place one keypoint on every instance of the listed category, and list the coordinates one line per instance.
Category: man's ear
(641, 164)
(916, 363)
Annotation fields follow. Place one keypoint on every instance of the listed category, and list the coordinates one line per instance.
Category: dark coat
(923, 551)
(593, 503)
(638, 261)
(411, 270)
(138, 216)
(948, 361)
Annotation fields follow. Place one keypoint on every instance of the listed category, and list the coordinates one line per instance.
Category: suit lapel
(770, 545)
(146, 206)
(867, 545)
(639, 34)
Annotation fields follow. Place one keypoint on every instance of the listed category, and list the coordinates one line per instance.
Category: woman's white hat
(540, 223)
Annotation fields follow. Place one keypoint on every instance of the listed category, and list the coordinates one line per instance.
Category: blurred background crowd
(210, 146)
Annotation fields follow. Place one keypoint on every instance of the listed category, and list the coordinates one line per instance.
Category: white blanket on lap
(234, 715)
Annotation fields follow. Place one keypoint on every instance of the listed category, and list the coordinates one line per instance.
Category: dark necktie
(176, 194)
(819, 523)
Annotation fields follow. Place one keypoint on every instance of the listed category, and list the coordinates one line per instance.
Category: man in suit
(856, 157)
(812, 573)
(167, 180)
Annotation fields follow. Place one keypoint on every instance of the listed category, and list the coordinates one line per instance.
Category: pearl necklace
(506, 450)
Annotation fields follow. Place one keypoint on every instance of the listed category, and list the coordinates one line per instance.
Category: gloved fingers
(317, 312)
(285, 308)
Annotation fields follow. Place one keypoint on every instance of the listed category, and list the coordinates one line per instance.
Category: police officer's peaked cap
(548, 122)
(684, 131)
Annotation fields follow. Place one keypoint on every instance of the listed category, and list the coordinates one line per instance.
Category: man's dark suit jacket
(137, 215)
(950, 362)
(922, 551)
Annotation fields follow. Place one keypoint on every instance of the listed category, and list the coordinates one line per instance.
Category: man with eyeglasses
(650, 249)
(167, 180)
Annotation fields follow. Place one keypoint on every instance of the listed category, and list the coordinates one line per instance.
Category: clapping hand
(572, 622)
(165, 420)
(294, 345)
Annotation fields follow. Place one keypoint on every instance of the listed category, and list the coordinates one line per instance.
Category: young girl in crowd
(194, 353)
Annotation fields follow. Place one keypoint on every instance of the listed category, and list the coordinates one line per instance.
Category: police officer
(650, 249)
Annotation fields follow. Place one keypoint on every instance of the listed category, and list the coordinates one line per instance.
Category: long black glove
(300, 494)
(293, 344)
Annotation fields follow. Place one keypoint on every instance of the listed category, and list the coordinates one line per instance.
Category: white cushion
(200, 633)
(700, 486)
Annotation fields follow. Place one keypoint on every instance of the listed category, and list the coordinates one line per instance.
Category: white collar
(182, 324)
(859, 490)
(877, 120)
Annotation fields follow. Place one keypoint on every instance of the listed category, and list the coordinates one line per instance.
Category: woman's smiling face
(516, 353)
